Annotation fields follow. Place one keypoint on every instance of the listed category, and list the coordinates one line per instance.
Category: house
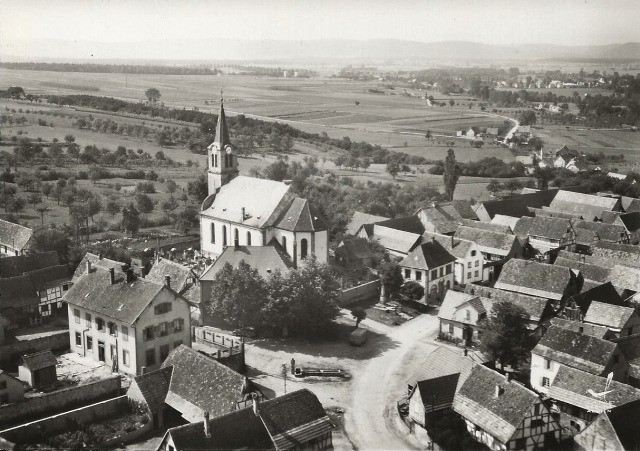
(516, 206)
(492, 131)
(469, 259)
(489, 226)
(622, 321)
(444, 218)
(431, 266)
(576, 306)
(38, 369)
(11, 389)
(184, 280)
(506, 221)
(398, 243)
(459, 315)
(626, 280)
(359, 219)
(614, 429)
(295, 420)
(97, 262)
(589, 206)
(589, 271)
(254, 212)
(355, 252)
(130, 324)
(630, 347)
(545, 235)
(14, 238)
(20, 301)
(561, 347)
(172, 393)
(576, 165)
(496, 248)
(538, 279)
(612, 233)
(623, 254)
(18, 265)
(580, 396)
(503, 414)
(631, 223)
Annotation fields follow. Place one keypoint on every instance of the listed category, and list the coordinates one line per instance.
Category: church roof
(264, 202)
(222, 131)
(301, 217)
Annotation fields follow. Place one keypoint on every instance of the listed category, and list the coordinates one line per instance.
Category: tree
(144, 203)
(390, 276)
(34, 199)
(112, 207)
(169, 205)
(536, 142)
(69, 139)
(152, 94)
(513, 185)
(494, 187)
(412, 290)
(198, 188)
(55, 150)
(366, 162)
(451, 174)
(73, 150)
(527, 117)
(358, 314)
(47, 239)
(451, 103)
(393, 168)
(131, 219)
(94, 206)
(15, 92)
(171, 187)
(42, 209)
(46, 189)
(543, 176)
(505, 337)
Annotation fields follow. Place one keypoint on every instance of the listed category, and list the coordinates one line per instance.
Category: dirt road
(370, 420)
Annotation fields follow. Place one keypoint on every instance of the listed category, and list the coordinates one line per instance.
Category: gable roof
(584, 328)
(438, 393)
(573, 387)
(588, 270)
(301, 216)
(355, 248)
(428, 255)
(121, 300)
(358, 219)
(457, 247)
(517, 206)
(487, 241)
(453, 300)
(534, 306)
(39, 360)
(625, 278)
(543, 226)
(17, 292)
(180, 274)
(604, 203)
(410, 224)
(508, 221)
(443, 361)
(216, 390)
(534, 278)
(605, 293)
(499, 415)
(14, 235)
(630, 347)
(98, 262)
(613, 316)
(264, 201)
(266, 259)
(395, 240)
(443, 217)
(294, 418)
(624, 253)
(604, 232)
(19, 264)
(154, 387)
(464, 209)
(631, 220)
(490, 226)
(574, 349)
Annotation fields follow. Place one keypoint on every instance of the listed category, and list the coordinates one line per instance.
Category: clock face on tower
(227, 149)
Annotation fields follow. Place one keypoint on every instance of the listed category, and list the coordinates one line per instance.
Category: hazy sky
(569, 22)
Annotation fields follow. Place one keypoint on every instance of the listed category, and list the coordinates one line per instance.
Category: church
(250, 212)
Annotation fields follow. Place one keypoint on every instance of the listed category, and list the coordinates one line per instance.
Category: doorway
(101, 356)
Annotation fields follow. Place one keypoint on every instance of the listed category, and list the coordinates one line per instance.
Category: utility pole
(284, 376)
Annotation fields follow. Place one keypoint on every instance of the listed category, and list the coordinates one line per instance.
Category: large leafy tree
(505, 337)
(47, 239)
(390, 276)
(451, 174)
(131, 219)
(152, 94)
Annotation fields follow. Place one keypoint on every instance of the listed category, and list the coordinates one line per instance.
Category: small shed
(358, 337)
(38, 369)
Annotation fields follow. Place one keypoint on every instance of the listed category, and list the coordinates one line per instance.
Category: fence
(359, 293)
(58, 401)
(11, 352)
(224, 348)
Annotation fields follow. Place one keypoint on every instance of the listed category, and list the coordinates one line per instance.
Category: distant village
(134, 351)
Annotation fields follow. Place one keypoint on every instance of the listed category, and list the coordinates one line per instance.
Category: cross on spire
(222, 131)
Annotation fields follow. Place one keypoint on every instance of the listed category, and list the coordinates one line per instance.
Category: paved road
(370, 422)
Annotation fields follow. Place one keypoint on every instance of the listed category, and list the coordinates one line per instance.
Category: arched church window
(303, 248)
(213, 232)
(284, 243)
(248, 238)
(224, 235)
(236, 238)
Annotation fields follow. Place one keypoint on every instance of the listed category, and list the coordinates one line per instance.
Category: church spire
(222, 131)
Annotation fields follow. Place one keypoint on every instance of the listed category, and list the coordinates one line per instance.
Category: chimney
(167, 281)
(452, 238)
(507, 376)
(207, 431)
(295, 254)
(466, 352)
(112, 276)
(243, 215)
(498, 391)
(88, 266)
(256, 404)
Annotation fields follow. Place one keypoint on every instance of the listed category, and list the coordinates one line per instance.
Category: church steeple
(223, 164)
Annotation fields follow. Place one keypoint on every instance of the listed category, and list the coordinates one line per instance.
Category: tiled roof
(490, 226)
(294, 418)
(610, 217)
(574, 387)
(96, 262)
(154, 387)
(508, 221)
(301, 216)
(443, 217)
(551, 213)
(264, 201)
(395, 240)
(266, 259)
(534, 306)
(47, 277)
(585, 237)
(410, 224)
(605, 232)
(181, 276)
(633, 206)
(438, 393)
(358, 219)
(428, 255)
(499, 415)
(630, 347)
(631, 221)
(39, 360)
(605, 262)
(625, 278)
(604, 203)
(603, 293)
(355, 248)
(586, 211)
(625, 253)
(441, 362)
(464, 209)
(457, 247)
(490, 242)
(534, 278)
(516, 206)
(592, 330)
(541, 226)
(14, 235)
(17, 292)
(624, 420)
(19, 264)
(122, 301)
(452, 302)
(241, 429)
(584, 352)
(217, 388)
(588, 270)
(613, 316)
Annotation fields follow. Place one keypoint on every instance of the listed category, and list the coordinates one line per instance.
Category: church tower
(222, 162)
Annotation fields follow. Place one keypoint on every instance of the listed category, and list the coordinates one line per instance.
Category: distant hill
(231, 49)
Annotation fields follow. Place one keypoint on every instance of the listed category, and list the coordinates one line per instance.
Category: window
(469, 265)
(477, 262)
(165, 307)
(78, 339)
(441, 272)
(451, 329)
(224, 235)
(125, 333)
(469, 275)
(303, 248)
(100, 324)
(547, 364)
(125, 357)
(284, 243)
(87, 318)
(468, 314)
(177, 343)
(434, 274)
(407, 273)
(164, 329)
(113, 330)
(178, 325)
(89, 343)
(236, 237)
(164, 352)
(476, 273)
(150, 357)
(418, 275)
(536, 409)
(213, 233)
(3, 385)
(537, 423)
(473, 253)
(545, 381)
(148, 333)
(448, 269)
(248, 238)
(76, 315)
